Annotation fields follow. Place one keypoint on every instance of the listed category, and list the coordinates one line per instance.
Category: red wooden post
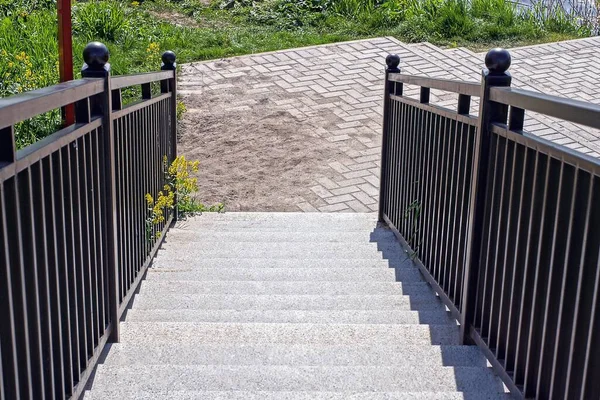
(65, 53)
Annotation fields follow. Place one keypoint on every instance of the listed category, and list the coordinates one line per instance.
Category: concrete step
(174, 333)
(189, 252)
(169, 301)
(294, 316)
(299, 355)
(240, 395)
(284, 288)
(286, 274)
(314, 223)
(372, 262)
(278, 217)
(178, 245)
(209, 236)
(166, 378)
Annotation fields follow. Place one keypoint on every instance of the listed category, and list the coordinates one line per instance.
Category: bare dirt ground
(258, 158)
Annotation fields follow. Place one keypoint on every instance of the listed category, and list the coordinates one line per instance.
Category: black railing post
(169, 64)
(96, 65)
(497, 62)
(392, 61)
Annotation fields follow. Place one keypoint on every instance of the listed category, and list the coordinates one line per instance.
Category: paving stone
(345, 104)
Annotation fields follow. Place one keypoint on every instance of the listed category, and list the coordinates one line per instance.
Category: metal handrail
(26, 105)
(575, 111)
(465, 88)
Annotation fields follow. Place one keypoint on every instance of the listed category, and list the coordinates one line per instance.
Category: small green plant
(413, 212)
(181, 109)
(178, 195)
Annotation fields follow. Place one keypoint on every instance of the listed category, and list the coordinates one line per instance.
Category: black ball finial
(168, 58)
(497, 61)
(95, 55)
(392, 61)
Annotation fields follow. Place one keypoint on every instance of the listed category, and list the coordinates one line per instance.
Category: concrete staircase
(289, 306)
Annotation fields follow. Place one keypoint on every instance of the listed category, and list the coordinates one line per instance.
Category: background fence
(503, 224)
(73, 236)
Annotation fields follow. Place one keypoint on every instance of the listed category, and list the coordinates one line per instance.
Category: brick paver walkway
(337, 89)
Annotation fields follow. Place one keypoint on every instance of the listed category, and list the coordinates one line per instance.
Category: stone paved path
(300, 129)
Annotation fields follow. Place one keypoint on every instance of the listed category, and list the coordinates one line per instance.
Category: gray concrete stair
(286, 395)
(289, 307)
(297, 378)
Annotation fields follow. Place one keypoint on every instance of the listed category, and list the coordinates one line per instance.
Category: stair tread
(190, 273)
(299, 378)
(284, 287)
(290, 354)
(175, 301)
(304, 333)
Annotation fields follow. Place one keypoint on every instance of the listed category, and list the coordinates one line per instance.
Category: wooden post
(65, 53)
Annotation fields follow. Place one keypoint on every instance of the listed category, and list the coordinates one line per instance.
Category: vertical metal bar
(517, 264)
(52, 264)
(8, 149)
(424, 95)
(541, 279)
(87, 266)
(449, 208)
(424, 183)
(506, 268)
(566, 353)
(28, 373)
(8, 330)
(28, 247)
(464, 104)
(62, 268)
(498, 63)
(455, 227)
(439, 199)
(581, 368)
(554, 291)
(93, 276)
(436, 138)
(80, 255)
(536, 206)
(120, 197)
(38, 232)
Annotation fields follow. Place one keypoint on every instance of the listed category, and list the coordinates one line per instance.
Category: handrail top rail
(550, 148)
(23, 106)
(575, 111)
(123, 81)
(460, 87)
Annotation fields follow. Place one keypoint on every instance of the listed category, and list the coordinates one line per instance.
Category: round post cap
(96, 55)
(392, 61)
(497, 61)
(168, 58)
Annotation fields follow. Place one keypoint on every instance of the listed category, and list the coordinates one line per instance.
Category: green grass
(136, 34)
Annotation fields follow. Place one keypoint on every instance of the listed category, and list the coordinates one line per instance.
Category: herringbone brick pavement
(331, 95)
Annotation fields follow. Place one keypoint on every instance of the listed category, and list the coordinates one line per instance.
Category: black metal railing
(73, 240)
(503, 224)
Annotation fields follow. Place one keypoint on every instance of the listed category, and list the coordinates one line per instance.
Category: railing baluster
(45, 311)
(540, 280)
(8, 329)
(53, 265)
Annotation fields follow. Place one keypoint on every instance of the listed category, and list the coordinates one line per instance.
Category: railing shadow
(443, 328)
